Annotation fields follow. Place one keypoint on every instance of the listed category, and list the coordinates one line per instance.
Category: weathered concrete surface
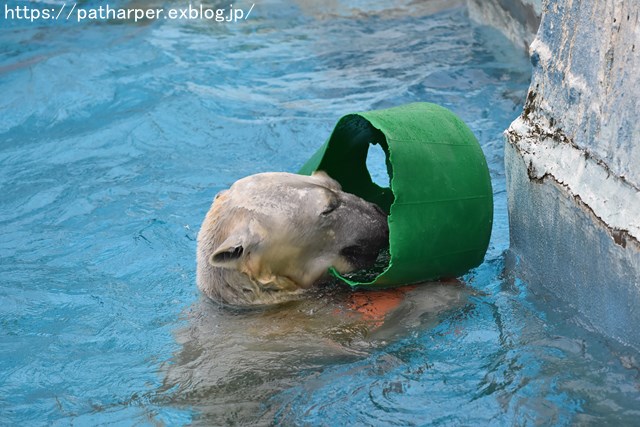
(558, 243)
(573, 163)
(516, 19)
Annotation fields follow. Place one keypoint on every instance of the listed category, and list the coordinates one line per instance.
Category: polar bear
(274, 234)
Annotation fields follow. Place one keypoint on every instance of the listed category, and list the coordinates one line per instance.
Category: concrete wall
(573, 163)
(517, 19)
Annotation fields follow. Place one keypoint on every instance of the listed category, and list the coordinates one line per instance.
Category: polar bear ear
(238, 245)
(327, 180)
(228, 254)
(220, 195)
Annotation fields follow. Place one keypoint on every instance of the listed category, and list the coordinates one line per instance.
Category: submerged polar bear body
(273, 234)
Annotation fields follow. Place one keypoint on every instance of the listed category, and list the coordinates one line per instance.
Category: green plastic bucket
(440, 203)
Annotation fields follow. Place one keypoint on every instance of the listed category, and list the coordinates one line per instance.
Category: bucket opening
(377, 165)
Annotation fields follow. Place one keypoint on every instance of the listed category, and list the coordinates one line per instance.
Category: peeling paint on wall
(549, 153)
(572, 162)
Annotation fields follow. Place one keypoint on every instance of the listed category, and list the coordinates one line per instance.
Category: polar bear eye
(334, 203)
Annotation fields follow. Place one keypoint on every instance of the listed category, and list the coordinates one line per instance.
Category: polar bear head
(273, 234)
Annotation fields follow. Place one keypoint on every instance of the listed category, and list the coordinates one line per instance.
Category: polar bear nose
(360, 255)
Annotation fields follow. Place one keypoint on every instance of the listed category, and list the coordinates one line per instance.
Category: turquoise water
(114, 137)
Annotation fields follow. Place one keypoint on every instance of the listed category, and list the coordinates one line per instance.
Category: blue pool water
(115, 136)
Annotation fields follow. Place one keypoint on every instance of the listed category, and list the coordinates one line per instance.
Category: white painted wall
(573, 162)
(572, 158)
